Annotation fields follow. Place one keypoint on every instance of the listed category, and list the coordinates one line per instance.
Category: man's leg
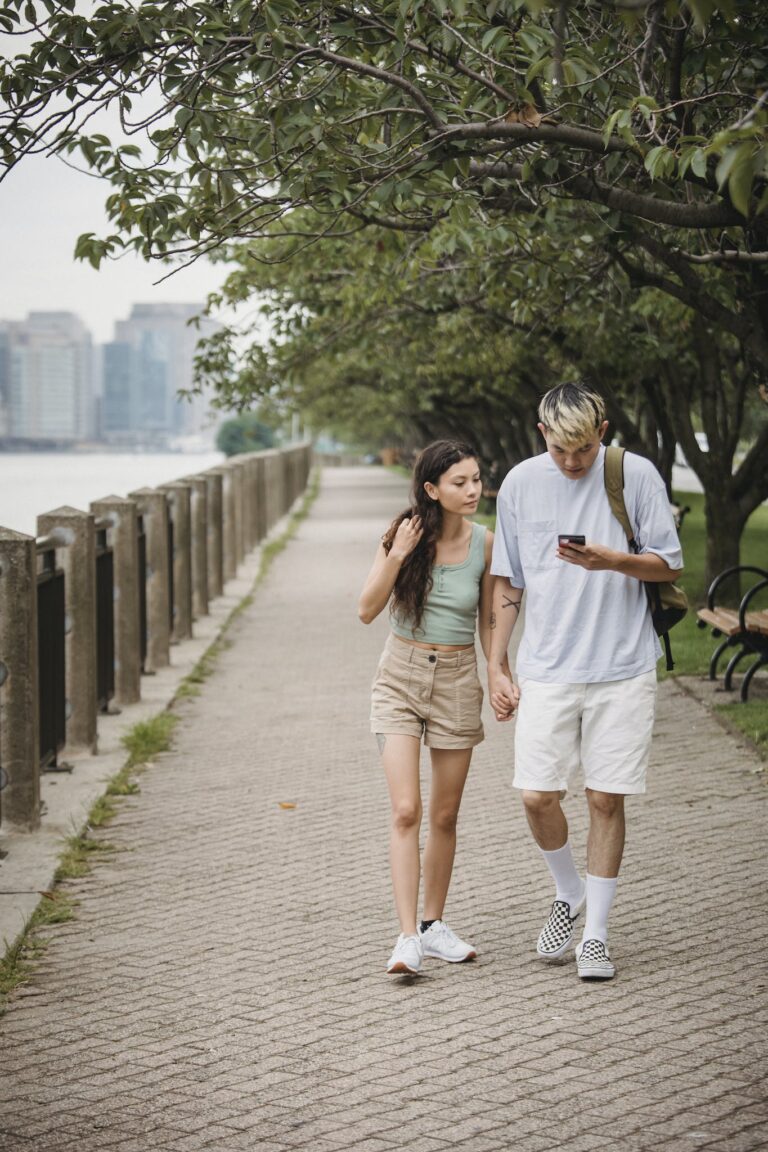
(546, 751)
(605, 843)
(546, 819)
(616, 736)
(549, 826)
(605, 847)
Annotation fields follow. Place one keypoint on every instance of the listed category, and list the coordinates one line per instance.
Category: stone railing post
(255, 484)
(260, 490)
(286, 461)
(268, 513)
(215, 483)
(74, 534)
(19, 708)
(179, 496)
(274, 487)
(199, 486)
(290, 476)
(248, 506)
(229, 521)
(153, 507)
(123, 516)
(238, 475)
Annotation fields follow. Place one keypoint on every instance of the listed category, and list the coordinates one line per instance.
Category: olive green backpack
(668, 602)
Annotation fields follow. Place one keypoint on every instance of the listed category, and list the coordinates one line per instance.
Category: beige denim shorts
(419, 692)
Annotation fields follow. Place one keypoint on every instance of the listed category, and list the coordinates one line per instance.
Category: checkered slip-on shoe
(557, 934)
(593, 961)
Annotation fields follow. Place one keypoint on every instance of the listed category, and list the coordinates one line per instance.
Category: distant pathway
(223, 984)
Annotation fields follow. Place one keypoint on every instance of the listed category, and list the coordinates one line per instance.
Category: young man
(586, 666)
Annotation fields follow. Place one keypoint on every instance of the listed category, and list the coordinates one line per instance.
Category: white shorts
(604, 728)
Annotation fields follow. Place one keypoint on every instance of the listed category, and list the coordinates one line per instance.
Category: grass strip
(750, 720)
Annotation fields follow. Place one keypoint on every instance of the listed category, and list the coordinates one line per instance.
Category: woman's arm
(503, 694)
(386, 567)
(485, 610)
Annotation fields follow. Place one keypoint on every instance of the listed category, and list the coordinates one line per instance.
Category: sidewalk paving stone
(222, 985)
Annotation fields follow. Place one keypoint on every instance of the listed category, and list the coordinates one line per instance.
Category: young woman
(432, 569)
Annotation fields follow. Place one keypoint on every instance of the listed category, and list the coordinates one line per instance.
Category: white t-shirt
(581, 627)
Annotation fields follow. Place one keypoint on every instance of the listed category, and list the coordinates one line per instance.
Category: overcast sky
(44, 206)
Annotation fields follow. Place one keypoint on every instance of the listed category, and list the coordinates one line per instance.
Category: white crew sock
(600, 893)
(569, 885)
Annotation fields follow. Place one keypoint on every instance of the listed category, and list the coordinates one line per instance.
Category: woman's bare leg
(400, 757)
(449, 774)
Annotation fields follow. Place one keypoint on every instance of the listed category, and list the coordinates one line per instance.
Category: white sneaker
(442, 943)
(407, 955)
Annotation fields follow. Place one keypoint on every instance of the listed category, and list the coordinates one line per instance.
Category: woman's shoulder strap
(477, 546)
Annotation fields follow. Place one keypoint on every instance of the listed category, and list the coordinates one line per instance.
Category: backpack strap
(614, 487)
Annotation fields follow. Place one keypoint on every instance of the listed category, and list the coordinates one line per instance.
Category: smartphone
(569, 538)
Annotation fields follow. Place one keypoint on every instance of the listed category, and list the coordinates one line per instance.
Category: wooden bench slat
(726, 620)
(758, 621)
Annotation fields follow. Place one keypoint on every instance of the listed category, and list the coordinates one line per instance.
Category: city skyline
(60, 387)
(47, 204)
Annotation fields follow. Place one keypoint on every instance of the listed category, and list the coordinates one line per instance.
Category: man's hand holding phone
(573, 548)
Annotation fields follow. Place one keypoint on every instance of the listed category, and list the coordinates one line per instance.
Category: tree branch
(718, 215)
(728, 257)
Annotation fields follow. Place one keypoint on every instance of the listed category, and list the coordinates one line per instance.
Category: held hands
(593, 557)
(504, 695)
(409, 532)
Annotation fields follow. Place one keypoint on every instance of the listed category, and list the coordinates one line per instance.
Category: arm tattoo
(493, 619)
(509, 603)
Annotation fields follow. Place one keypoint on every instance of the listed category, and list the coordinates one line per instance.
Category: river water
(36, 482)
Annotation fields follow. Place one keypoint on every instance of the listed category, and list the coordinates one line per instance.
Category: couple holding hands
(586, 664)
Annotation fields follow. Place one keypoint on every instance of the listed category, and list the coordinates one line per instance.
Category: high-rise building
(4, 376)
(146, 365)
(46, 379)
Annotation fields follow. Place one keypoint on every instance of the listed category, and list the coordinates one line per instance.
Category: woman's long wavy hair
(414, 581)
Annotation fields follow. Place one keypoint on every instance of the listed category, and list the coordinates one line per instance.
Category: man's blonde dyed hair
(572, 413)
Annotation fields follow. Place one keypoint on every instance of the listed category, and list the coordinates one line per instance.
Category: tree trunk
(723, 550)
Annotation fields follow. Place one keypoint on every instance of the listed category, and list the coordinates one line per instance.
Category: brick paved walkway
(223, 985)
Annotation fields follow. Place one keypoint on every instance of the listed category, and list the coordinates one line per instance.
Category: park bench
(744, 629)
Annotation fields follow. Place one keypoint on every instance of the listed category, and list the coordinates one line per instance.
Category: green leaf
(660, 162)
(699, 162)
(740, 184)
(609, 126)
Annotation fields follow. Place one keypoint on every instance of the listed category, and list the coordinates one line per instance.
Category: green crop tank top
(450, 612)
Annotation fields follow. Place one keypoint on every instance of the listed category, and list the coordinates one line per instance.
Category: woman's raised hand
(409, 532)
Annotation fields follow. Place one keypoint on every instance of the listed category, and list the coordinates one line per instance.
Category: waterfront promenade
(222, 985)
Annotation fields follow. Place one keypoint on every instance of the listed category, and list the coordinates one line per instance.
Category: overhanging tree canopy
(400, 112)
(301, 122)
